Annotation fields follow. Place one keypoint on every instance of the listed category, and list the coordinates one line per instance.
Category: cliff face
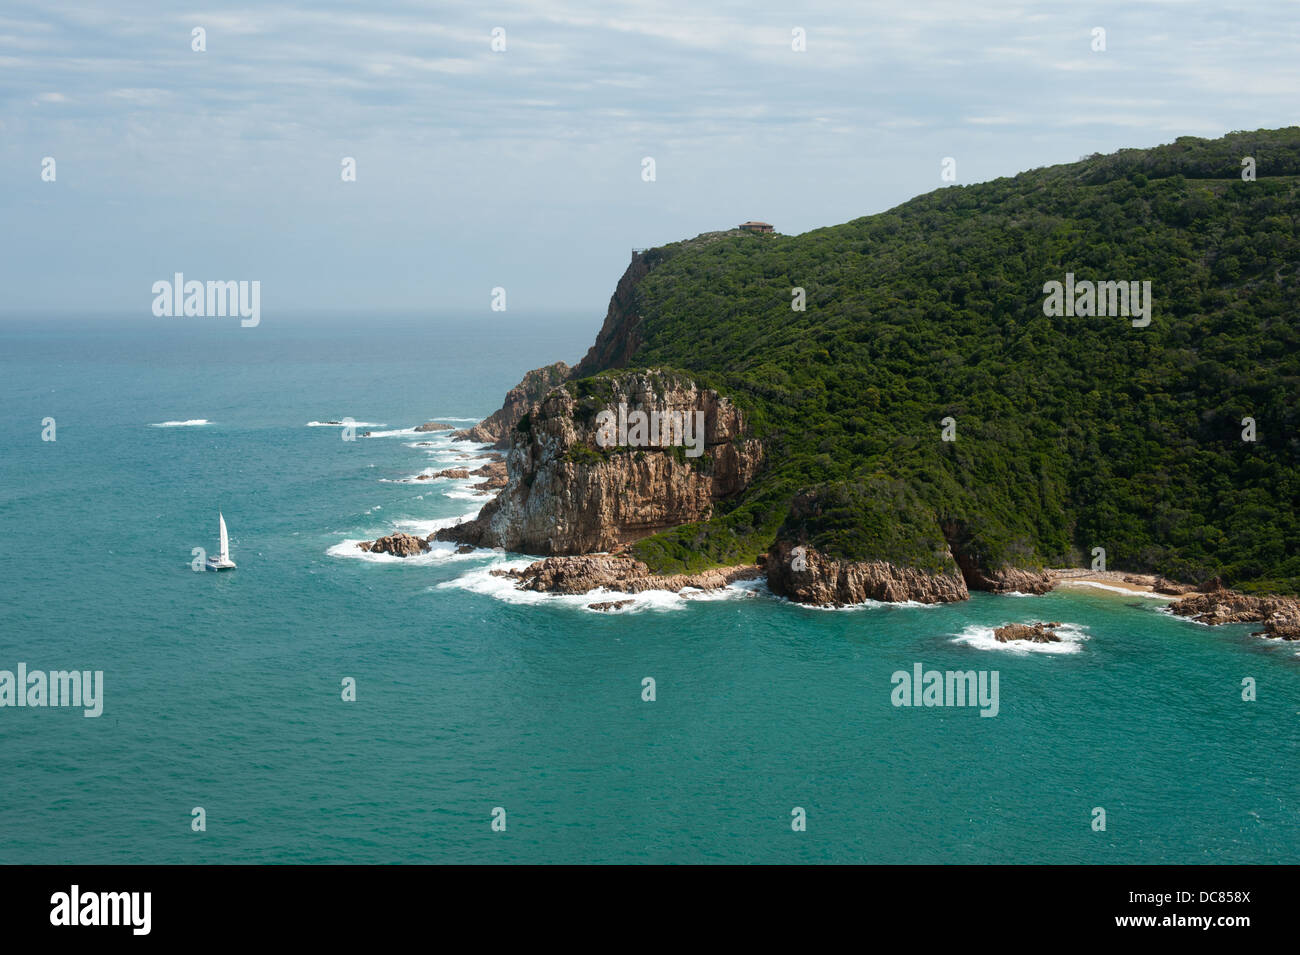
(495, 429)
(618, 338)
(620, 335)
(566, 494)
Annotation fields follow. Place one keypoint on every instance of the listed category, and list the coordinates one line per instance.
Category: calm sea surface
(223, 691)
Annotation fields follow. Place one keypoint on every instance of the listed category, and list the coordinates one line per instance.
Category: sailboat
(222, 561)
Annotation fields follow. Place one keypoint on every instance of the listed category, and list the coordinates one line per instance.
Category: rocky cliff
(495, 429)
(802, 574)
(573, 490)
(620, 334)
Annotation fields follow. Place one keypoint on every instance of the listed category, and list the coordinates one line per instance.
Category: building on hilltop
(752, 226)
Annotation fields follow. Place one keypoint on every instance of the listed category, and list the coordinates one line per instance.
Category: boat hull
(219, 564)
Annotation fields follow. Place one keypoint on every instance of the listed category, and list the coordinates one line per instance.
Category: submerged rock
(607, 605)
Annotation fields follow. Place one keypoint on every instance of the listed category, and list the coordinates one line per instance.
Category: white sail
(225, 540)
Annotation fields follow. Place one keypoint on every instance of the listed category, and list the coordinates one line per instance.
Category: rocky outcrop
(1033, 632)
(495, 429)
(399, 545)
(566, 494)
(1009, 580)
(434, 426)
(580, 575)
(804, 575)
(454, 473)
(1280, 615)
(1003, 579)
(495, 475)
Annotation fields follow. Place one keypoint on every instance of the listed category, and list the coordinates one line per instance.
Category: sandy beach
(1109, 580)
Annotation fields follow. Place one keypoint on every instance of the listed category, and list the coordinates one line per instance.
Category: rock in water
(399, 545)
(1280, 615)
(608, 605)
(1033, 632)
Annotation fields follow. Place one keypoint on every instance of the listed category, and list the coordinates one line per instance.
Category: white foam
(1072, 637)
(389, 434)
(483, 581)
(340, 424)
(425, 527)
(426, 476)
(190, 423)
(1169, 612)
(865, 605)
(439, 552)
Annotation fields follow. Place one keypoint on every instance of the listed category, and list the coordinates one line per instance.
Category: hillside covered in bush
(1071, 432)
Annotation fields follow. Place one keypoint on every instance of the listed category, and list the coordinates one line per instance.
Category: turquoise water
(223, 690)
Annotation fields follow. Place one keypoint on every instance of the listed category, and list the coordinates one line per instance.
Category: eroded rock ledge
(1280, 615)
(807, 576)
(580, 575)
(1009, 580)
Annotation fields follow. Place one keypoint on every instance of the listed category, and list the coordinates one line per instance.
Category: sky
(523, 168)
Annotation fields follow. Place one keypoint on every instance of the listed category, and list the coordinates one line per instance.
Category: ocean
(477, 703)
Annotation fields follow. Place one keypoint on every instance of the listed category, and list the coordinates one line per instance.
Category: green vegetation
(1072, 432)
